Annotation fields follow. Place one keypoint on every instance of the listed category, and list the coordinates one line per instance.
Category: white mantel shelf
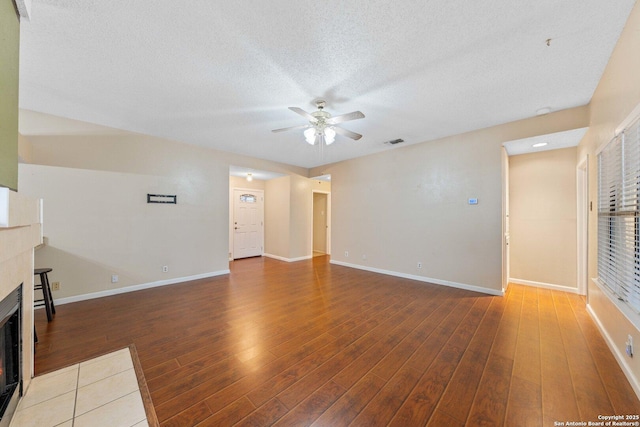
(17, 211)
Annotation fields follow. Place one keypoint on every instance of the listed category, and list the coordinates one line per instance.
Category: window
(248, 198)
(619, 216)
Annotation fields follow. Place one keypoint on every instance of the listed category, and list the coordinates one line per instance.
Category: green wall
(9, 50)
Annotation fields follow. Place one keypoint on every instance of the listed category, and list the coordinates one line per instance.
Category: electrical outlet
(165, 268)
(55, 286)
(364, 257)
(629, 346)
(346, 254)
(114, 278)
(419, 265)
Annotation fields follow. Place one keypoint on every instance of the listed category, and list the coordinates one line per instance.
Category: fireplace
(10, 354)
(20, 233)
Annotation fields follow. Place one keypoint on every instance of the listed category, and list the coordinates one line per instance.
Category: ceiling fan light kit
(322, 127)
(326, 135)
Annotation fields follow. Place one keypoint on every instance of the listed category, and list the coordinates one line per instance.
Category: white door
(248, 230)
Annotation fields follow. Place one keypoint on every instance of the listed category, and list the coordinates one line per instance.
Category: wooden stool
(47, 299)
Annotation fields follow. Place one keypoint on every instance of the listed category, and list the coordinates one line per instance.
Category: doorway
(248, 223)
(321, 238)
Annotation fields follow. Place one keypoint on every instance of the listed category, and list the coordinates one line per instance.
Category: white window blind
(619, 216)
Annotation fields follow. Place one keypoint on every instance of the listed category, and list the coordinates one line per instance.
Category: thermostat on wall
(473, 201)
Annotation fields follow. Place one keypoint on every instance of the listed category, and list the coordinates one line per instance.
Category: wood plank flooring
(310, 343)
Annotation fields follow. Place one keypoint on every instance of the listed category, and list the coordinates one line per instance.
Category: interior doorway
(321, 237)
(248, 223)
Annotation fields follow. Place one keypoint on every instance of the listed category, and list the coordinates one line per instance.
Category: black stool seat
(47, 299)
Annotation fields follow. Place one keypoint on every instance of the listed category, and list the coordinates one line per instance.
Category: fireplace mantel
(20, 233)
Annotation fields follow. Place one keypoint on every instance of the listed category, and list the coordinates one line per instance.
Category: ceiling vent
(394, 141)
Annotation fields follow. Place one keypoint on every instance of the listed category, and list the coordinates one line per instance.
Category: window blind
(619, 215)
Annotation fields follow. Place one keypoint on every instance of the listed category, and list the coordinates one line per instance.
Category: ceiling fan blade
(347, 133)
(303, 114)
(291, 128)
(345, 117)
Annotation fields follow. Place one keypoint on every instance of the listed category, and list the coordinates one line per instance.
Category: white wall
(543, 219)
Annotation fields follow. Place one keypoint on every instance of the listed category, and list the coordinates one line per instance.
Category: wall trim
(620, 358)
(544, 285)
(464, 286)
(133, 288)
(280, 258)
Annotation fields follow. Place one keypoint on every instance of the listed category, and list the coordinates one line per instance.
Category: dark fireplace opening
(10, 354)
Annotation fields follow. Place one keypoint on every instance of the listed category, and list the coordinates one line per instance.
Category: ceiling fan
(322, 127)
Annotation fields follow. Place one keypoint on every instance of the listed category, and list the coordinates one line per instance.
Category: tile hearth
(99, 392)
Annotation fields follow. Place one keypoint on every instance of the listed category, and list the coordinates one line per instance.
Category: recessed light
(543, 111)
(539, 144)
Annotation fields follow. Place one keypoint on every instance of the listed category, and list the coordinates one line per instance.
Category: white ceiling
(553, 141)
(222, 74)
(242, 172)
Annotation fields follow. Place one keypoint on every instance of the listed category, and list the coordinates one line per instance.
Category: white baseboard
(620, 357)
(288, 259)
(423, 279)
(544, 285)
(133, 288)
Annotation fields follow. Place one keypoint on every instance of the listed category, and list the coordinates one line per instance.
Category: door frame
(232, 216)
(505, 218)
(582, 223)
(328, 193)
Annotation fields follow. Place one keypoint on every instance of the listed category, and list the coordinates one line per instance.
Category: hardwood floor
(310, 343)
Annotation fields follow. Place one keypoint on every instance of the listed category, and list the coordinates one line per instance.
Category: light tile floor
(99, 392)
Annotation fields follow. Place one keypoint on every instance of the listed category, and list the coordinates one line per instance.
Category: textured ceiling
(222, 74)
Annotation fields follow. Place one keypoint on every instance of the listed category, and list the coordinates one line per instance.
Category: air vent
(394, 141)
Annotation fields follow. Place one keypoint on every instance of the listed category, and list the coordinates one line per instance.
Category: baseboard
(544, 285)
(620, 357)
(287, 259)
(423, 279)
(110, 292)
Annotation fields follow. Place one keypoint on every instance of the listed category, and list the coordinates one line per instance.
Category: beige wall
(543, 218)
(616, 96)
(409, 205)
(301, 217)
(277, 217)
(97, 221)
(289, 216)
